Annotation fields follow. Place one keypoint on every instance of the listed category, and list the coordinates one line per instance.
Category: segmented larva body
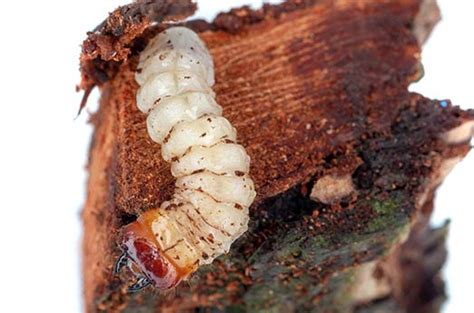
(209, 209)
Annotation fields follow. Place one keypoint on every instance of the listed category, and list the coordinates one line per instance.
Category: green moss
(385, 207)
(294, 245)
(379, 223)
(275, 295)
(319, 242)
(390, 216)
(264, 298)
(292, 248)
(236, 308)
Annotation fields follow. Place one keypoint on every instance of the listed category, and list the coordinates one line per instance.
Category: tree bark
(316, 89)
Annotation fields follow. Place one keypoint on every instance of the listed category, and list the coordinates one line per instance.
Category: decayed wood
(112, 42)
(314, 88)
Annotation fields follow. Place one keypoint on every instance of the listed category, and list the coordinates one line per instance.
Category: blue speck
(443, 104)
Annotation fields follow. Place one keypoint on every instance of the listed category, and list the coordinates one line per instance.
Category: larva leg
(141, 283)
(214, 191)
(121, 263)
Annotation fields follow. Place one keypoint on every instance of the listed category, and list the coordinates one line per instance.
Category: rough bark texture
(314, 88)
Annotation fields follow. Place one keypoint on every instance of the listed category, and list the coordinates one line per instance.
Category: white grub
(460, 134)
(330, 189)
(209, 209)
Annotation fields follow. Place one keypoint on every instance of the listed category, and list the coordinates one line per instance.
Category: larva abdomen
(222, 158)
(223, 214)
(205, 131)
(224, 188)
(177, 109)
(169, 84)
(209, 209)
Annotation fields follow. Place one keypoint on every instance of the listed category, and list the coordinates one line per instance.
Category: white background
(43, 149)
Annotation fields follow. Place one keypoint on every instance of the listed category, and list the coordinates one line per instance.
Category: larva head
(141, 247)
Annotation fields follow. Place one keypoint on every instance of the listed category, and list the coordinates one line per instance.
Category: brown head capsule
(141, 247)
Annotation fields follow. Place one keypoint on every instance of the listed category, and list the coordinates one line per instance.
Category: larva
(209, 209)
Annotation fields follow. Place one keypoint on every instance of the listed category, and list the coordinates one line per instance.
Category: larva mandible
(209, 209)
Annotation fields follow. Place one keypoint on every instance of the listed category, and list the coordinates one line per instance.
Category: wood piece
(112, 42)
(314, 88)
